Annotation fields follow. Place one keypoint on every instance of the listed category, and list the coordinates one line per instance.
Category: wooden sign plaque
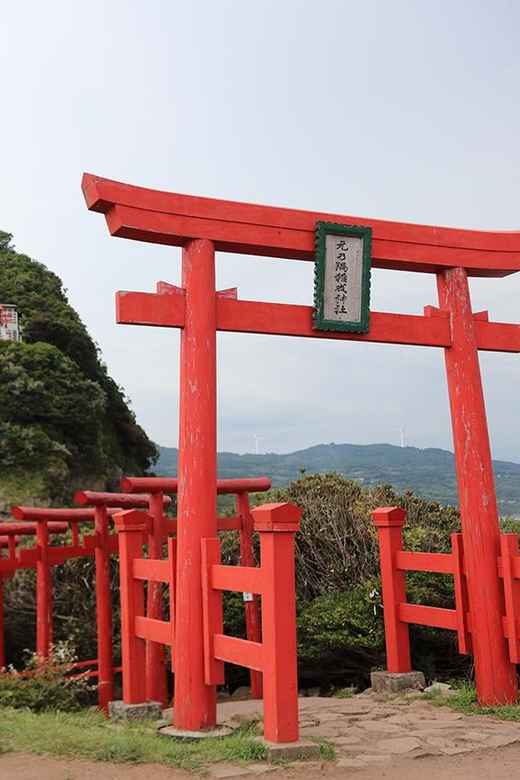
(342, 277)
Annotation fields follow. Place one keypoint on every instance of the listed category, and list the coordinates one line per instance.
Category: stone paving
(366, 731)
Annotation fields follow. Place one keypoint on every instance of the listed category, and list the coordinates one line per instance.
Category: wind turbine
(257, 439)
(401, 435)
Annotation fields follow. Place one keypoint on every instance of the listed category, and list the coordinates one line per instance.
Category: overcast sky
(402, 110)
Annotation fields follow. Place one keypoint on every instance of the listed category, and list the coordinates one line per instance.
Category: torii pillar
(195, 703)
(201, 225)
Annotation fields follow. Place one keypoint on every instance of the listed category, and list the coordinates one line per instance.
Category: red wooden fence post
(509, 551)
(253, 628)
(130, 526)
(43, 592)
(277, 524)
(389, 522)
(104, 610)
(2, 628)
(195, 703)
(156, 682)
(495, 675)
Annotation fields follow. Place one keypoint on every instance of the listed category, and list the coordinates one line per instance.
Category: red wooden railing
(98, 507)
(273, 580)
(101, 544)
(399, 613)
(274, 656)
(158, 525)
(11, 535)
(242, 522)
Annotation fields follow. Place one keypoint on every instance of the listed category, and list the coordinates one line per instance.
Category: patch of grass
(327, 751)
(88, 735)
(465, 701)
(343, 693)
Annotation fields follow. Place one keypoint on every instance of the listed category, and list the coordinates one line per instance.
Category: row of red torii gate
(485, 564)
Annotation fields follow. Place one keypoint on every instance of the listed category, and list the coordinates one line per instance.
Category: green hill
(64, 423)
(430, 473)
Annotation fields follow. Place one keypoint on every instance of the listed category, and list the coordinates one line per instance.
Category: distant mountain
(430, 472)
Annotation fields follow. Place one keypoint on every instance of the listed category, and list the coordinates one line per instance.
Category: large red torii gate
(202, 226)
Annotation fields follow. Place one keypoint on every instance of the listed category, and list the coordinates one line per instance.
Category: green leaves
(61, 415)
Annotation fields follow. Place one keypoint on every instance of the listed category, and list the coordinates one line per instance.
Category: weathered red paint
(452, 254)
(156, 680)
(509, 553)
(169, 218)
(275, 654)
(171, 485)
(103, 610)
(130, 527)
(195, 703)
(43, 557)
(119, 500)
(253, 627)
(494, 673)
(29, 529)
(44, 632)
(2, 629)
(398, 613)
(389, 522)
(282, 319)
(155, 502)
(11, 534)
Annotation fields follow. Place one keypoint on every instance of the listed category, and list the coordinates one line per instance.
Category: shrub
(44, 685)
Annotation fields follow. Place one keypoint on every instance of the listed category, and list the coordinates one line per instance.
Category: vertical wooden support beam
(495, 675)
(389, 522)
(156, 682)
(104, 610)
(130, 526)
(2, 626)
(253, 628)
(172, 561)
(277, 524)
(509, 550)
(461, 595)
(212, 612)
(195, 703)
(43, 592)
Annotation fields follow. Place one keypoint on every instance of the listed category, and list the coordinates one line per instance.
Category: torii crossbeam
(202, 226)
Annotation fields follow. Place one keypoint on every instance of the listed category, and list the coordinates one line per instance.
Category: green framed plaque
(342, 277)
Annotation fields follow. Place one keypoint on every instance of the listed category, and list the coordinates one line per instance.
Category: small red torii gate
(202, 226)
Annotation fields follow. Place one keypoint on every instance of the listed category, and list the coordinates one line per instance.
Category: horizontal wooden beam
(440, 563)
(283, 319)
(171, 484)
(237, 578)
(152, 570)
(428, 616)
(170, 218)
(155, 630)
(238, 651)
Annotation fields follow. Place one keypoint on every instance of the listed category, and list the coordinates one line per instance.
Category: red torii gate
(202, 226)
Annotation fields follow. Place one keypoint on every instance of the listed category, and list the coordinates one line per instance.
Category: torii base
(393, 682)
(145, 710)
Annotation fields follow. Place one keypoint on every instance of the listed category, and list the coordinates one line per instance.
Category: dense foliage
(46, 685)
(63, 419)
(340, 620)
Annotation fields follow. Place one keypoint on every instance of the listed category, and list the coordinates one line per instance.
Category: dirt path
(498, 764)
(398, 739)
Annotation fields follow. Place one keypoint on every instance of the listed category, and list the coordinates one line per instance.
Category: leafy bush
(44, 685)
(71, 420)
